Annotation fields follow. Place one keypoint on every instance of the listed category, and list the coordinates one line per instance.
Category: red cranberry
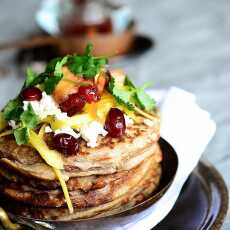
(115, 123)
(65, 144)
(89, 92)
(74, 104)
(31, 94)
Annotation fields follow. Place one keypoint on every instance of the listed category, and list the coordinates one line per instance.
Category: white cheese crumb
(45, 107)
(69, 131)
(149, 122)
(128, 121)
(48, 129)
(91, 132)
(12, 124)
(61, 116)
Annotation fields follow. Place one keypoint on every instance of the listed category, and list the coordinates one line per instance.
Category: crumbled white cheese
(69, 131)
(48, 129)
(149, 122)
(128, 121)
(45, 107)
(61, 116)
(91, 132)
(12, 124)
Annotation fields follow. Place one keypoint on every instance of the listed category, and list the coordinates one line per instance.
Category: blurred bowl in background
(116, 41)
(109, 44)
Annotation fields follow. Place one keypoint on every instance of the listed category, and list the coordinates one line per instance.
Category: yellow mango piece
(64, 189)
(42, 131)
(99, 110)
(79, 120)
(51, 157)
(58, 124)
(91, 109)
(3, 122)
(6, 222)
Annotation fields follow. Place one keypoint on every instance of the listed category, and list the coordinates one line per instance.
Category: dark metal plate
(202, 204)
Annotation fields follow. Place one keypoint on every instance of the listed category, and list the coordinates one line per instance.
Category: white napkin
(188, 128)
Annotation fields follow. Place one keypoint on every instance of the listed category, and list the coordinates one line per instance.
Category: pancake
(115, 185)
(146, 186)
(84, 183)
(110, 156)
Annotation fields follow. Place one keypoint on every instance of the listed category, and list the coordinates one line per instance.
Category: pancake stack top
(79, 141)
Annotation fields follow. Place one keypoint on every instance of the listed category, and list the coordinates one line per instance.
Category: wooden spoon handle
(30, 43)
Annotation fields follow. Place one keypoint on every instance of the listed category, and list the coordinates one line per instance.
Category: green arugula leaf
(144, 100)
(50, 84)
(13, 110)
(29, 118)
(52, 64)
(51, 81)
(121, 93)
(58, 66)
(30, 77)
(129, 95)
(21, 135)
(40, 79)
(129, 83)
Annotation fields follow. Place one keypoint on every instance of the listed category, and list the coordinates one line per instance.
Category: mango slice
(64, 189)
(51, 157)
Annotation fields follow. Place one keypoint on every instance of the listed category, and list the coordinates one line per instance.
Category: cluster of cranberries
(75, 102)
(65, 143)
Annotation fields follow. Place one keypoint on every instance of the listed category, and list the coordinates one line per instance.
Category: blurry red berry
(31, 94)
(74, 104)
(115, 123)
(89, 92)
(65, 144)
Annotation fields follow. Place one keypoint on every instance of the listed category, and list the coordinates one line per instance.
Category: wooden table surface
(192, 51)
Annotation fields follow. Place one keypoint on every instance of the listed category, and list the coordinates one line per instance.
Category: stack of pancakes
(116, 175)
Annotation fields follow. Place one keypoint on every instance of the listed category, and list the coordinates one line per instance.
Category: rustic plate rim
(222, 191)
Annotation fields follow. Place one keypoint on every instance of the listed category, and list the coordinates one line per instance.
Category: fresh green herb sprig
(121, 93)
(13, 110)
(84, 65)
(25, 120)
(131, 96)
(48, 79)
(51, 82)
(143, 99)
(28, 120)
